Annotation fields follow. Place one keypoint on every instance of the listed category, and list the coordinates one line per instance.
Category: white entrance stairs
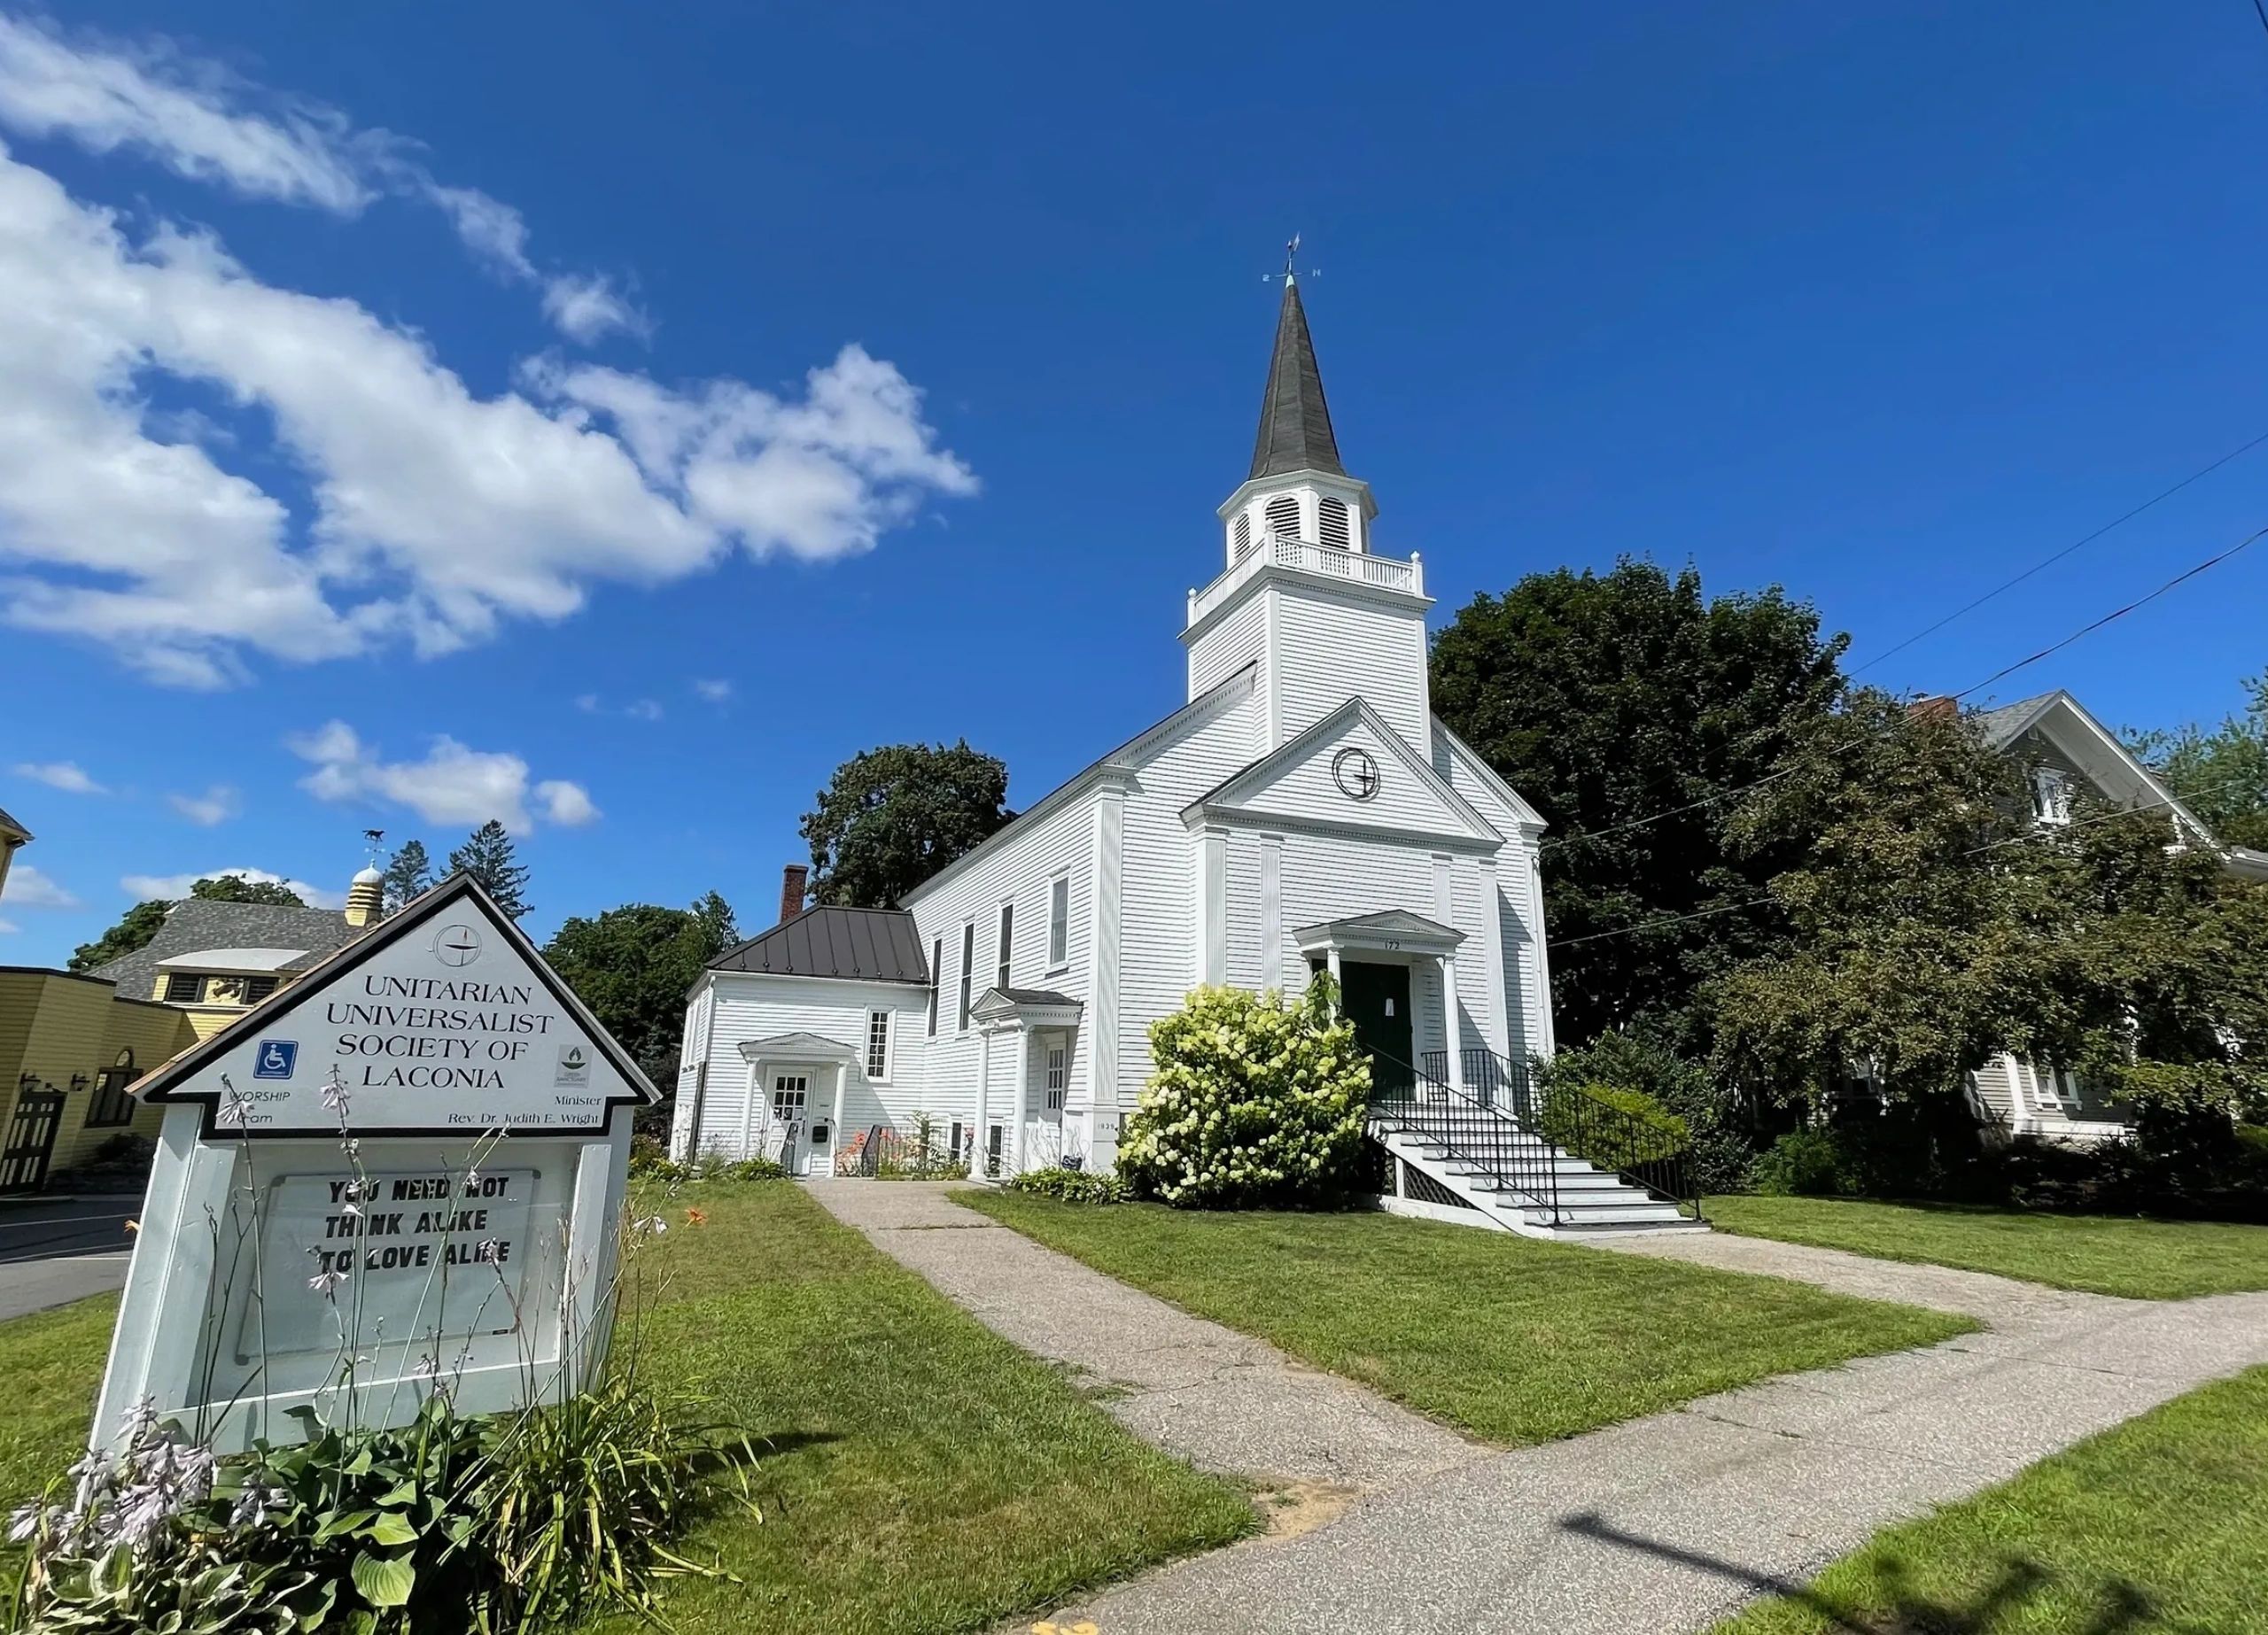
(1467, 1155)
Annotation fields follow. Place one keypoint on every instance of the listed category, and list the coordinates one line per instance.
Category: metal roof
(866, 945)
(1294, 420)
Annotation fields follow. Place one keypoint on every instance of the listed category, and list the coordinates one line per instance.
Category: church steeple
(1298, 494)
(1294, 420)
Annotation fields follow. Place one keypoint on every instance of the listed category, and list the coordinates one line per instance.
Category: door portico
(1392, 937)
(795, 1085)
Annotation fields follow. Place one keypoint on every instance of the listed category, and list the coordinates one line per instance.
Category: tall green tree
(1929, 924)
(632, 965)
(891, 818)
(488, 855)
(1631, 695)
(408, 873)
(141, 923)
(2221, 775)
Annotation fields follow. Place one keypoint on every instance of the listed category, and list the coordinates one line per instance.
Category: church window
(936, 977)
(878, 1045)
(184, 988)
(1330, 523)
(111, 1104)
(1007, 933)
(1241, 533)
(1059, 922)
(968, 967)
(1284, 516)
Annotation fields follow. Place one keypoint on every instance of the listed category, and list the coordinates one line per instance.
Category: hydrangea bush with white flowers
(1256, 1102)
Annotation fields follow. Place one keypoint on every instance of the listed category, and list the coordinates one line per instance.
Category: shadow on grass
(1898, 1609)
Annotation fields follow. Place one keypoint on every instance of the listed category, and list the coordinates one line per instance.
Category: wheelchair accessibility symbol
(275, 1059)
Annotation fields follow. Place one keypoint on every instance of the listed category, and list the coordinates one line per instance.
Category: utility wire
(2042, 831)
(2048, 562)
(2002, 674)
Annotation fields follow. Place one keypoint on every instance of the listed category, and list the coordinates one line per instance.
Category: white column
(1331, 964)
(1271, 911)
(1542, 1039)
(842, 1073)
(1453, 1028)
(983, 1089)
(1022, 1079)
(1103, 938)
(749, 1144)
(1213, 907)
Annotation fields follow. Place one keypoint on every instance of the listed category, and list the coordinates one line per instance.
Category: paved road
(1662, 1524)
(54, 1251)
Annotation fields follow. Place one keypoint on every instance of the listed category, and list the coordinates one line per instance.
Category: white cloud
(185, 114)
(642, 710)
(8, 927)
(715, 691)
(452, 784)
(67, 776)
(28, 889)
(589, 308)
(567, 805)
(586, 476)
(173, 887)
(587, 703)
(216, 805)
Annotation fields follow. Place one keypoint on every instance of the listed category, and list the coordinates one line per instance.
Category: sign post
(399, 1176)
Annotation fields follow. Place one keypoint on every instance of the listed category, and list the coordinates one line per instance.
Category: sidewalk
(1659, 1525)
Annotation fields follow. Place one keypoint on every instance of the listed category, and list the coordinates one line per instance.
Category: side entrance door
(789, 1093)
(30, 1140)
(1375, 998)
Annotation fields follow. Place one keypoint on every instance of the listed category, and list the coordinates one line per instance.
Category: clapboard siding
(1157, 930)
(1247, 964)
(1017, 869)
(1327, 651)
(748, 1006)
(1236, 641)
(1306, 788)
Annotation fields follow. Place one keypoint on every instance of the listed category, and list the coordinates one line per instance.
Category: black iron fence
(1510, 1158)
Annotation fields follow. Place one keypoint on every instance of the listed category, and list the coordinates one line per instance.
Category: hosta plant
(1256, 1101)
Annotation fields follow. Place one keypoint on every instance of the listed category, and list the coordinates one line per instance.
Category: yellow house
(12, 834)
(69, 1047)
(72, 1043)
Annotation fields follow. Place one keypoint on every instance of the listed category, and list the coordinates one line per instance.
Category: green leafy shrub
(516, 1521)
(1807, 1163)
(1723, 1141)
(1256, 1102)
(649, 1160)
(1071, 1186)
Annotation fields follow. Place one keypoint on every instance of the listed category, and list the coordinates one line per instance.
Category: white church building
(1303, 810)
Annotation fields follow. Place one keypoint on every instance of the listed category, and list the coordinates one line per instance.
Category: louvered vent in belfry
(1284, 516)
(1243, 533)
(1330, 523)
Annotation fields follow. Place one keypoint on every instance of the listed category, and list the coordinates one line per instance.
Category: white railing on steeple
(1324, 561)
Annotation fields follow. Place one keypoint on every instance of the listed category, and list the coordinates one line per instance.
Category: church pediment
(1350, 770)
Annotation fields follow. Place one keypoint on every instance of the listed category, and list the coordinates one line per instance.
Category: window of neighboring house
(2057, 1086)
(1007, 935)
(954, 1151)
(968, 967)
(936, 979)
(878, 1045)
(2051, 796)
(1059, 922)
(259, 987)
(184, 988)
(111, 1104)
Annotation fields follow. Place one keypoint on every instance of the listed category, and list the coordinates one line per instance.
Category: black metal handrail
(1467, 1129)
(1574, 1120)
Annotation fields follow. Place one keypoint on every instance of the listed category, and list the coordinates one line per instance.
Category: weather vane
(1291, 250)
(373, 838)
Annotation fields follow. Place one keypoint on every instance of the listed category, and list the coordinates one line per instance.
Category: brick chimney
(1937, 709)
(791, 890)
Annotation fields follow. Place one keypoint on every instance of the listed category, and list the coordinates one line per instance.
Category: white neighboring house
(2069, 756)
(1303, 810)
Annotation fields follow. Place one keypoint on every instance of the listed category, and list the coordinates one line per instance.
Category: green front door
(1375, 998)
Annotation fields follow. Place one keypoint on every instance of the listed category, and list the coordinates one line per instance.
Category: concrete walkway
(1659, 1525)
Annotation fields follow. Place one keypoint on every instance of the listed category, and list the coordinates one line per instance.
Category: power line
(1999, 675)
(2041, 831)
(2048, 562)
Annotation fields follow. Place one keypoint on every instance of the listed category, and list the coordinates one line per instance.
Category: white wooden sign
(402, 1173)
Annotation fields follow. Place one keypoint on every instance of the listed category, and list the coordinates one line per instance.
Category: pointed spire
(1294, 420)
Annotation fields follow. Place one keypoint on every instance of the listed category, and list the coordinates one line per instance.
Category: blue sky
(497, 355)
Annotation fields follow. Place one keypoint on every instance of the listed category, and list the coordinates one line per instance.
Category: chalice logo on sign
(1355, 773)
(456, 946)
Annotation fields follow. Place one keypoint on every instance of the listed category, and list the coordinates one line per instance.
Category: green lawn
(2159, 1527)
(2101, 1254)
(1515, 1339)
(925, 1475)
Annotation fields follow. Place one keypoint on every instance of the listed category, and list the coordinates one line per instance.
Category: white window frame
(1055, 1071)
(1004, 946)
(936, 980)
(889, 1023)
(2050, 796)
(967, 972)
(1059, 922)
